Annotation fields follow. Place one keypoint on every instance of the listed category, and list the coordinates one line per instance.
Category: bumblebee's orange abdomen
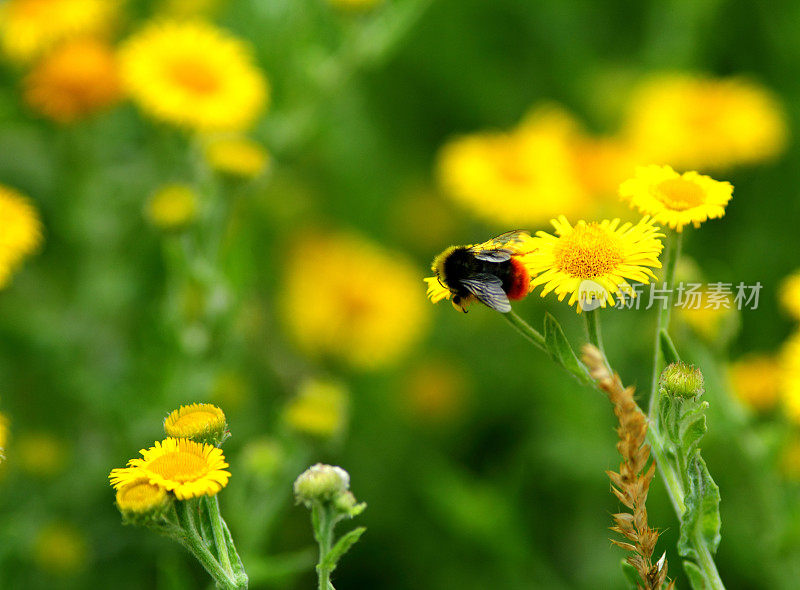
(520, 280)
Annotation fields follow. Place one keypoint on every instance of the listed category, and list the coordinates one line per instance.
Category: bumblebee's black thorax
(462, 264)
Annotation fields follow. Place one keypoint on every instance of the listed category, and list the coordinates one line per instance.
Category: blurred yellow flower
(184, 467)
(76, 79)
(756, 381)
(319, 409)
(61, 549)
(697, 123)
(603, 255)
(236, 156)
(21, 231)
(202, 422)
(139, 497)
(194, 75)
(790, 377)
(676, 199)
(603, 163)
(29, 27)
(519, 178)
(711, 316)
(789, 295)
(347, 298)
(435, 390)
(40, 454)
(173, 206)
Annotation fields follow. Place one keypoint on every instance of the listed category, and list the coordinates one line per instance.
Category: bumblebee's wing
(499, 255)
(489, 291)
(513, 239)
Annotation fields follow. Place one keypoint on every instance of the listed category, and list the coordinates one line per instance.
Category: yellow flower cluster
(21, 233)
(364, 311)
(193, 75)
(696, 122)
(548, 165)
(182, 466)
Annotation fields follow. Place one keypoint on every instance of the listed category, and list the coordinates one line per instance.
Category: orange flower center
(679, 194)
(589, 251)
(195, 76)
(179, 466)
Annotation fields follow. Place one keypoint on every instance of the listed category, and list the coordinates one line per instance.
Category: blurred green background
(495, 474)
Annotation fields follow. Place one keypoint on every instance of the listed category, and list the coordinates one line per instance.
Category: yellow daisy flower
(236, 156)
(676, 199)
(695, 122)
(789, 295)
(172, 207)
(200, 422)
(519, 178)
(21, 231)
(29, 27)
(184, 467)
(139, 498)
(756, 381)
(78, 78)
(194, 75)
(595, 259)
(347, 298)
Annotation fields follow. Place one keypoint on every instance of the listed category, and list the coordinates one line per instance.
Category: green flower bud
(347, 505)
(321, 483)
(681, 380)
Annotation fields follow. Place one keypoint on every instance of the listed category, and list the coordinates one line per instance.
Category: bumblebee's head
(438, 262)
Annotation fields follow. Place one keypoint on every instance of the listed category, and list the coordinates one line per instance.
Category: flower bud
(141, 502)
(347, 505)
(321, 483)
(204, 423)
(681, 380)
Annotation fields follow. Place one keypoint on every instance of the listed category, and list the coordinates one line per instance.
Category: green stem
(191, 539)
(531, 334)
(706, 563)
(324, 535)
(212, 505)
(670, 477)
(673, 253)
(593, 332)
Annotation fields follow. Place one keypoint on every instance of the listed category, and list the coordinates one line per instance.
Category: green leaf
(696, 578)
(631, 574)
(668, 348)
(559, 349)
(342, 546)
(702, 511)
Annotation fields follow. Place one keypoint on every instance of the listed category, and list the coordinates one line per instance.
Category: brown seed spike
(632, 483)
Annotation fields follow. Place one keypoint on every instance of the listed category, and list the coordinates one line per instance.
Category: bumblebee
(491, 273)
